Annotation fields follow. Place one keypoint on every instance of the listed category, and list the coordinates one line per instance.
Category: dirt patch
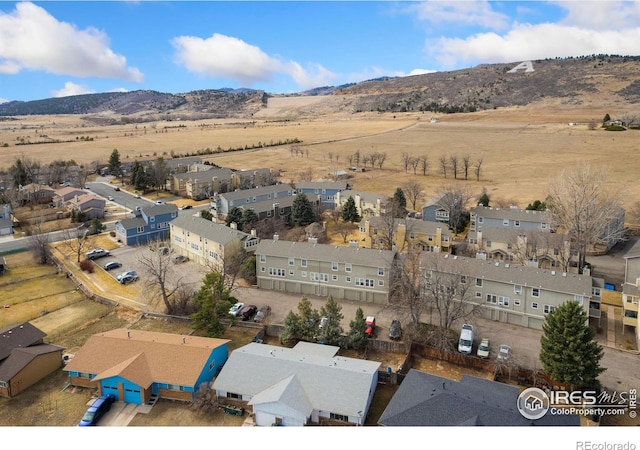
(445, 369)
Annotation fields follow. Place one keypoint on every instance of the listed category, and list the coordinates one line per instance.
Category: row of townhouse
(378, 232)
(278, 208)
(327, 191)
(248, 198)
(308, 268)
(203, 181)
(518, 295)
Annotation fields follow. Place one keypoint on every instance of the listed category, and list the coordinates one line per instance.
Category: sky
(62, 48)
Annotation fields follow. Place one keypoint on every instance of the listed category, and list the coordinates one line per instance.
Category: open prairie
(521, 148)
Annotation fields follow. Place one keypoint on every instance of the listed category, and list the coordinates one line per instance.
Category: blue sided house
(141, 366)
(148, 224)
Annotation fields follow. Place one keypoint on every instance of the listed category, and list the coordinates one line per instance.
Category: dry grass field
(521, 148)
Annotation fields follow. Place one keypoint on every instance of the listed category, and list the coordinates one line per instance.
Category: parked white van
(465, 345)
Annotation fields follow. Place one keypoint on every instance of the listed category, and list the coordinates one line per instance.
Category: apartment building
(308, 268)
(512, 218)
(247, 197)
(327, 191)
(368, 204)
(379, 232)
(513, 294)
(206, 242)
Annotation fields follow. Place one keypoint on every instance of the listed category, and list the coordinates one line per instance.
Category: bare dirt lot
(521, 148)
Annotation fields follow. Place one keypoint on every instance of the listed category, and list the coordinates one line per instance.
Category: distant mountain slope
(596, 79)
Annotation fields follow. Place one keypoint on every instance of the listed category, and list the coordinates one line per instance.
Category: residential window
(3, 384)
(504, 301)
(505, 222)
(488, 243)
(544, 226)
(340, 417)
(535, 292)
(534, 305)
(480, 219)
(375, 231)
(347, 279)
(579, 299)
(548, 308)
(381, 271)
(175, 387)
(516, 302)
(292, 261)
(303, 263)
(478, 294)
(347, 267)
(334, 266)
(479, 282)
(334, 277)
(595, 291)
(365, 282)
(292, 272)
(492, 299)
(140, 229)
(516, 223)
(412, 235)
(517, 289)
(463, 279)
(269, 213)
(263, 269)
(303, 274)
(263, 258)
(380, 283)
(212, 364)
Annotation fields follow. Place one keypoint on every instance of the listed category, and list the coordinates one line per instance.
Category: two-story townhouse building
(247, 197)
(309, 268)
(378, 232)
(533, 248)
(326, 190)
(433, 211)
(514, 294)
(368, 204)
(206, 242)
(509, 218)
(203, 184)
(181, 165)
(148, 224)
(279, 208)
(252, 178)
(631, 290)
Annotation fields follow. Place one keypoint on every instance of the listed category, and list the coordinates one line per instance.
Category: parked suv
(370, 330)
(248, 312)
(97, 409)
(465, 345)
(97, 253)
(125, 274)
(395, 330)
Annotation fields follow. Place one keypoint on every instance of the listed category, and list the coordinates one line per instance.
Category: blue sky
(54, 49)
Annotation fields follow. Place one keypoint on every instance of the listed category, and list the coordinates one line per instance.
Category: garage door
(106, 390)
(132, 396)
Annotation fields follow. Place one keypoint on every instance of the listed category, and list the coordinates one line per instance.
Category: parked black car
(248, 312)
(395, 330)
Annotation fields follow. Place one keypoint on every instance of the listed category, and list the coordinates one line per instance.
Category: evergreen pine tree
(115, 167)
(400, 198)
(568, 352)
(331, 333)
(234, 216)
(349, 211)
(301, 211)
(357, 337)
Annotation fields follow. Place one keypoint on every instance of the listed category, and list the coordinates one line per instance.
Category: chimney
(275, 236)
(233, 226)
(312, 240)
(253, 232)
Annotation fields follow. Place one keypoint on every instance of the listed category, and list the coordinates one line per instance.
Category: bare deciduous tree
(454, 165)
(344, 229)
(584, 205)
(478, 167)
(414, 164)
(156, 262)
(444, 165)
(382, 156)
(454, 198)
(413, 191)
(39, 241)
(406, 161)
(424, 164)
(75, 239)
(466, 164)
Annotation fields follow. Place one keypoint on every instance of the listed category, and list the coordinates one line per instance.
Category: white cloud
(30, 38)
(466, 13)
(4, 100)
(525, 41)
(71, 89)
(223, 56)
(602, 15)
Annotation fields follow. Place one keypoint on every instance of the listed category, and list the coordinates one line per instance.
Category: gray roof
(133, 222)
(340, 185)
(209, 230)
(512, 214)
(265, 190)
(172, 163)
(510, 235)
(634, 251)
(429, 400)
(569, 283)
(367, 257)
(312, 369)
(283, 202)
(156, 210)
(415, 225)
(370, 197)
(19, 336)
(205, 175)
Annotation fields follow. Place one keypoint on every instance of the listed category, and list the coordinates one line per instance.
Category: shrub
(87, 265)
(112, 233)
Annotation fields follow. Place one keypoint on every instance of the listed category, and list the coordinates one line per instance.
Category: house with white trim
(304, 385)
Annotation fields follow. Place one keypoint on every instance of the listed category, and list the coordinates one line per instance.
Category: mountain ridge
(597, 79)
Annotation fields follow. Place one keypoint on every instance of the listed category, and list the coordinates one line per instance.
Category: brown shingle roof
(145, 356)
